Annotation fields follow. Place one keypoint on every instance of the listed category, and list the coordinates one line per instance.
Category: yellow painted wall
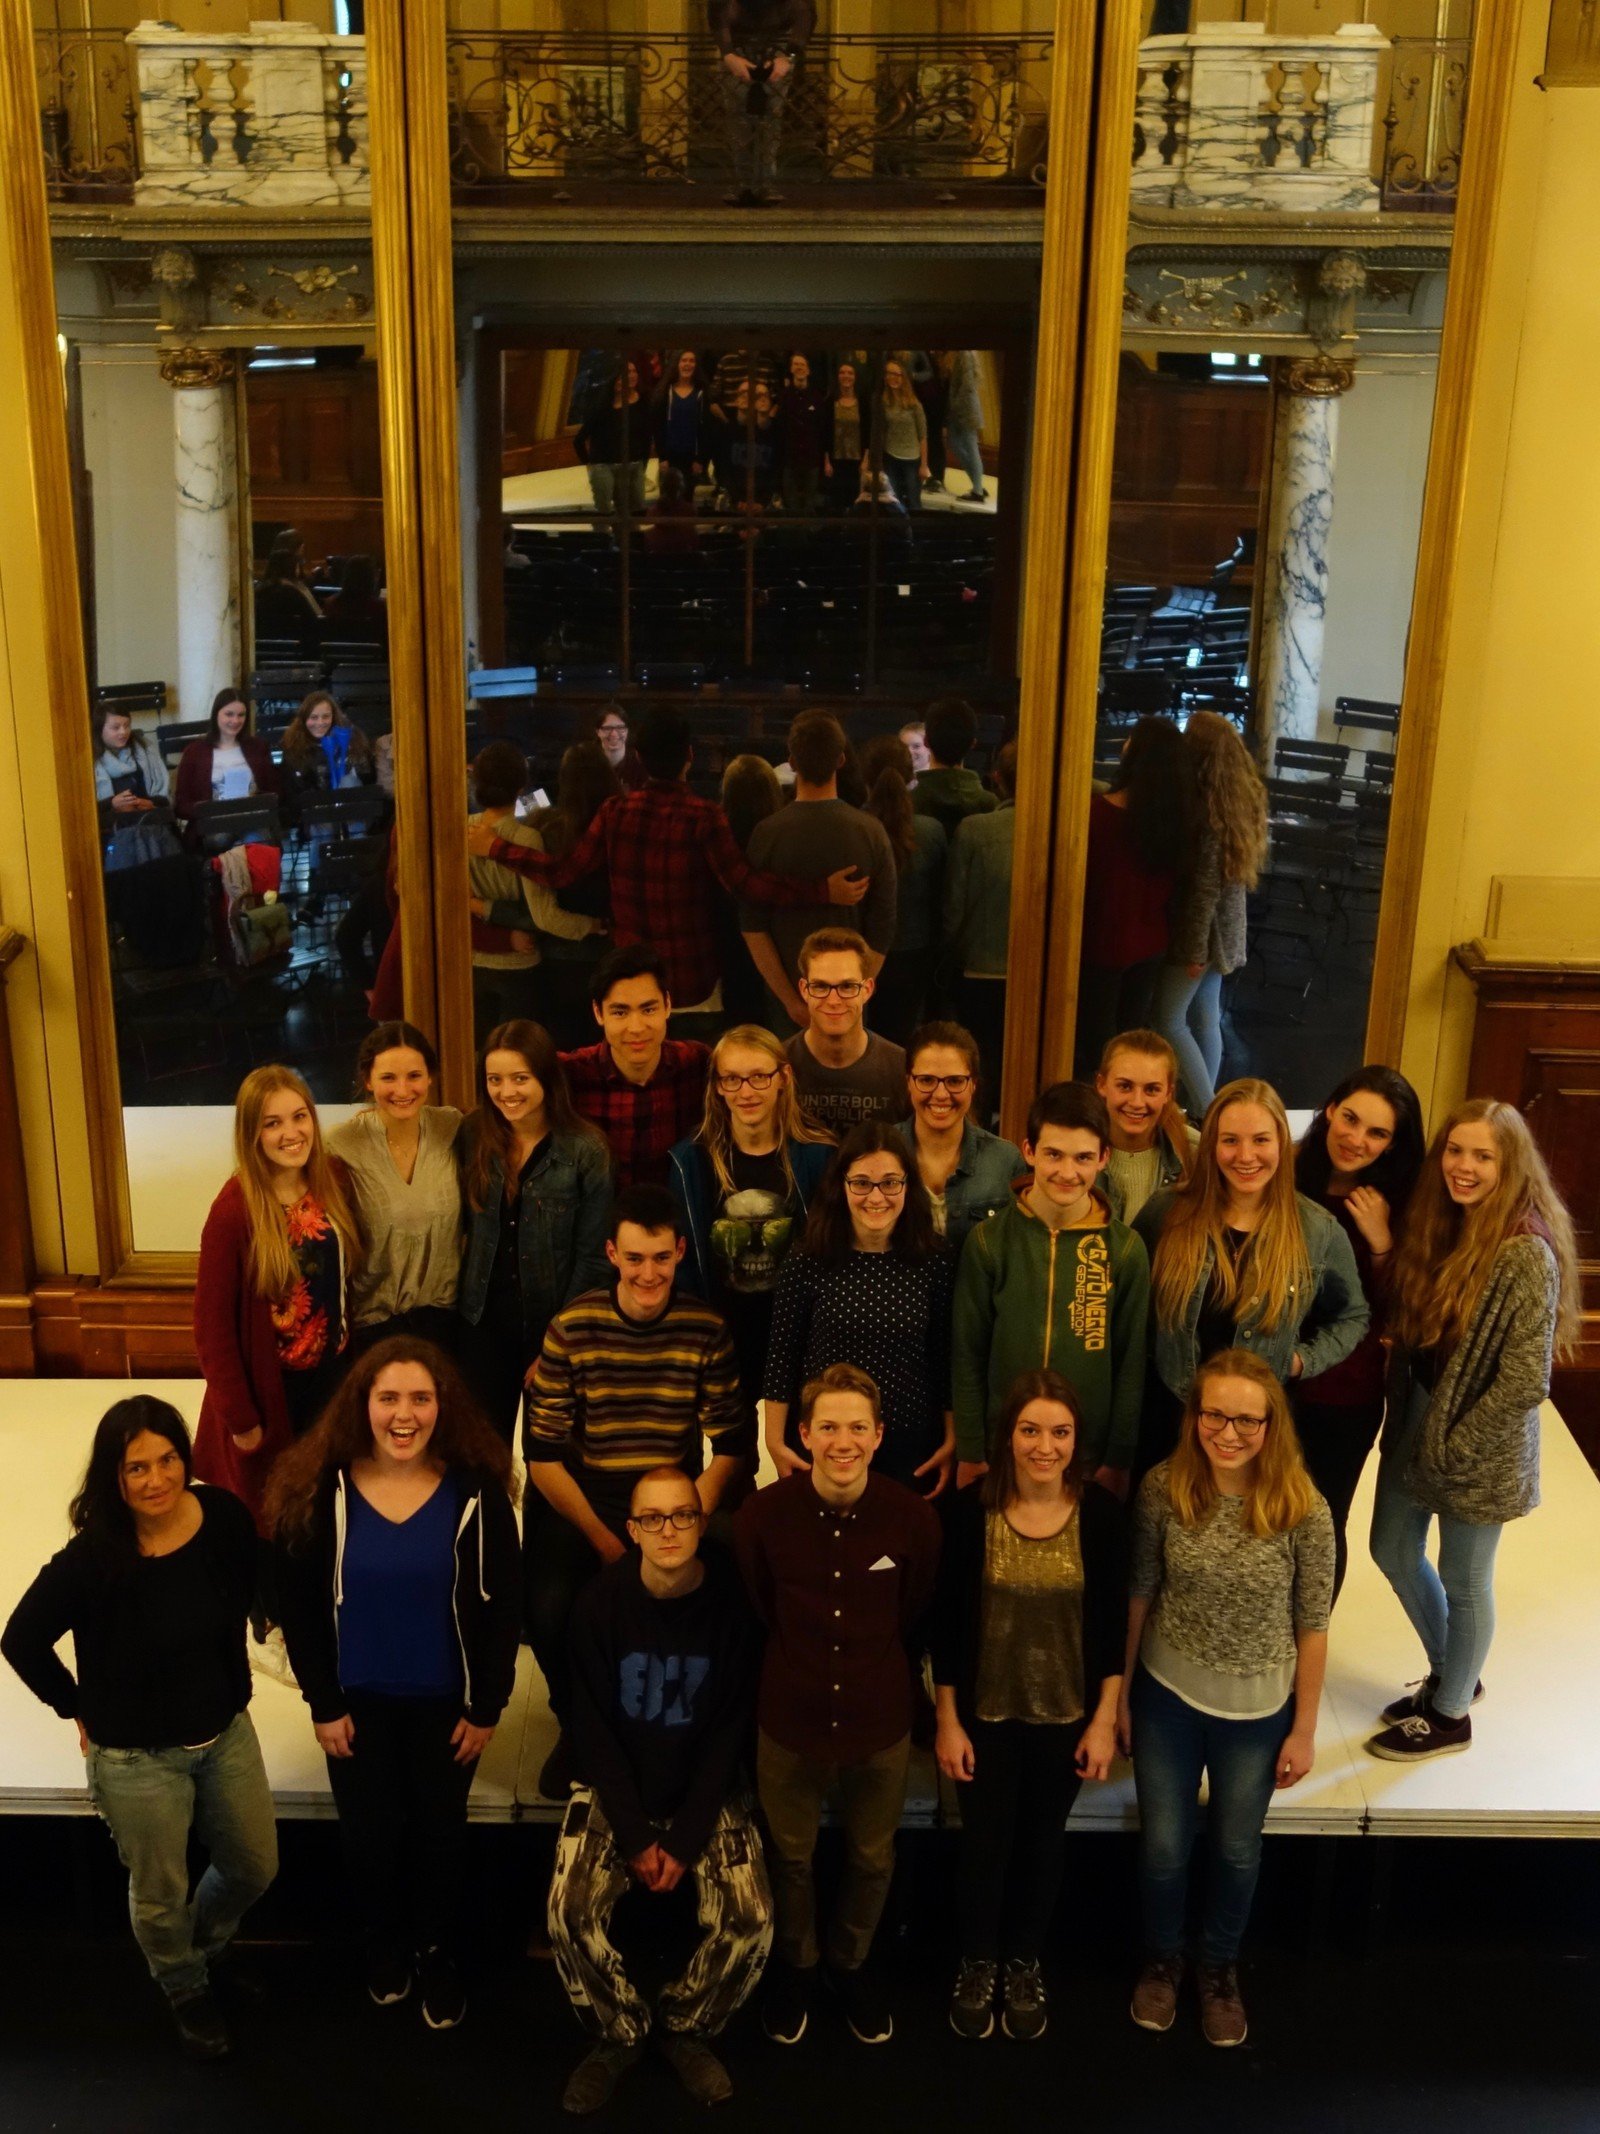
(1517, 785)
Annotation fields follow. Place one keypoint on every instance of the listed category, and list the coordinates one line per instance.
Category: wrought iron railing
(558, 110)
(87, 113)
(1424, 118)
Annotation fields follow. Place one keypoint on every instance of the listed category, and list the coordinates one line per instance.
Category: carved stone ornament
(188, 369)
(1319, 377)
(174, 267)
(1342, 274)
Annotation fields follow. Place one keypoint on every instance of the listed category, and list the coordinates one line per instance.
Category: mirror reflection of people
(759, 42)
(844, 417)
(227, 762)
(396, 1551)
(323, 752)
(921, 851)
(665, 1653)
(614, 442)
(681, 410)
(963, 416)
(1026, 1634)
(154, 1588)
(130, 778)
(611, 731)
(901, 436)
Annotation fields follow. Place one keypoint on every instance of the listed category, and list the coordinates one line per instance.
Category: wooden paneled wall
(1191, 458)
(314, 456)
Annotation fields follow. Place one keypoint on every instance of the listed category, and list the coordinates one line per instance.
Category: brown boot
(1155, 1996)
(1222, 2016)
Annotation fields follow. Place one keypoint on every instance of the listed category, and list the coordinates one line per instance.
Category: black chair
(275, 650)
(365, 804)
(1311, 759)
(344, 652)
(1365, 715)
(174, 739)
(221, 823)
(131, 697)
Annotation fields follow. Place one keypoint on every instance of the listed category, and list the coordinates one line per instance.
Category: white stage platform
(1533, 1769)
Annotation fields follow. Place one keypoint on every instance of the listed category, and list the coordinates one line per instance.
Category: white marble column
(1289, 684)
(206, 471)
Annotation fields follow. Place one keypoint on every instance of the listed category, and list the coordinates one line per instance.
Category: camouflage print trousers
(735, 1912)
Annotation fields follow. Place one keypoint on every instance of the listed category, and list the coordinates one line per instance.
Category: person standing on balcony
(760, 41)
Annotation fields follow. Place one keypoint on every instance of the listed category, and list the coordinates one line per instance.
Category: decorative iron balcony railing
(558, 110)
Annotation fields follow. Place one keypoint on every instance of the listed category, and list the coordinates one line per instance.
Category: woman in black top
(1027, 1642)
(155, 1586)
(400, 1584)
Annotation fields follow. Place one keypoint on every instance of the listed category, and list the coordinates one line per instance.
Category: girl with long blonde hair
(1486, 1293)
(270, 1305)
(1229, 1592)
(1208, 928)
(746, 1181)
(1239, 1259)
(901, 436)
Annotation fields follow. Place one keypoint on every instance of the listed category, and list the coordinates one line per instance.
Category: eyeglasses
(1213, 1422)
(652, 1522)
(846, 988)
(926, 1084)
(731, 1084)
(864, 1188)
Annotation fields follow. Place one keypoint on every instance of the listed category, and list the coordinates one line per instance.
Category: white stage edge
(1533, 1769)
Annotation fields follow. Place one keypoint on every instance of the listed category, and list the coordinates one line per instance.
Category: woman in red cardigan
(229, 764)
(269, 1303)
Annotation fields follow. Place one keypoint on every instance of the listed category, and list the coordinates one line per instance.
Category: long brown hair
(584, 783)
(272, 1262)
(1281, 1493)
(829, 1233)
(300, 748)
(1274, 1263)
(1446, 1251)
(1233, 801)
(886, 766)
(461, 1441)
(490, 1135)
(793, 1124)
(1000, 1483)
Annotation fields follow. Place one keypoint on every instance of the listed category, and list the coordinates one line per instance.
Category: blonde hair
(1273, 1265)
(716, 1126)
(272, 1260)
(1446, 1251)
(1232, 797)
(907, 395)
(1171, 1126)
(1281, 1493)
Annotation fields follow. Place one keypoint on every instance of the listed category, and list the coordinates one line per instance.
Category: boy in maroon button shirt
(839, 1563)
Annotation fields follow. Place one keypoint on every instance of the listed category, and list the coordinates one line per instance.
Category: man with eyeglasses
(664, 1658)
(817, 835)
(846, 1076)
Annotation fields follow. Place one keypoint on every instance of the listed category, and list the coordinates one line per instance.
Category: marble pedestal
(1299, 523)
(205, 468)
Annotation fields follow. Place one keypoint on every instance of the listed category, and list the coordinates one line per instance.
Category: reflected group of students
(1095, 1470)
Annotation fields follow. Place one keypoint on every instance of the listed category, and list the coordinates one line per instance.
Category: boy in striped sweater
(629, 1378)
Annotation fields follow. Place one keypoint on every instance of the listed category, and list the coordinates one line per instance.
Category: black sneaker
(1426, 1733)
(1417, 1699)
(555, 1776)
(388, 1977)
(444, 1998)
(201, 2031)
(593, 2081)
(865, 2008)
(972, 1999)
(786, 1994)
(696, 2066)
(1026, 2012)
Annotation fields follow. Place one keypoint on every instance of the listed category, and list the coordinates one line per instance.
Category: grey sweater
(1209, 924)
(1223, 1597)
(1477, 1456)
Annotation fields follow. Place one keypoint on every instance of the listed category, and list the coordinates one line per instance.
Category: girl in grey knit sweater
(1486, 1292)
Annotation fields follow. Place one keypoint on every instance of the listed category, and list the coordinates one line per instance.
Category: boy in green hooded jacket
(1055, 1279)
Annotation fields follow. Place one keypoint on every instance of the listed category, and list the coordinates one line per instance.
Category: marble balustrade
(273, 118)
(1230, 117)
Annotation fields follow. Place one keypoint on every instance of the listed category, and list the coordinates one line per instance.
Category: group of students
(1079, 1423)
(805, 434)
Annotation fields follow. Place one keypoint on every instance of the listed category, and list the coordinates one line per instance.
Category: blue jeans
(905, 479)
(151, 1799)
(1172, 1745)
(963, 449)
(1451, 1609)
(1188, 1013)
